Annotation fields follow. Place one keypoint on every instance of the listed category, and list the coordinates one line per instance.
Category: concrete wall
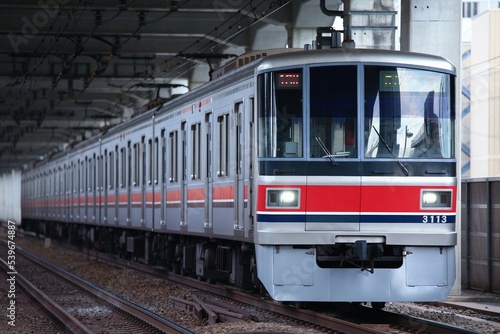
(10, 197)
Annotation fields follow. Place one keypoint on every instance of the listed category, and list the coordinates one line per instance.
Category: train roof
(341, 55)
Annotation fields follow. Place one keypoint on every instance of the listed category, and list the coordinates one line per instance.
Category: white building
(481, 89)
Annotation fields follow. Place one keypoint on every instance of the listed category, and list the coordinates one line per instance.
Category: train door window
(54, 182)
(223, 154)
(100, 172)
(111, 170)
(173, 149)
(208, 143)
(280, 114)
(136, 165)
(195, 151)
(238, 110)
(61, 181)
(81, 175)
(143, 161)
(150, 166)
(129, 165)
(90, 171)
(65, 179)
(75, 177)
(156, 161)
(333, 109)
(123, 167)
(163, 157)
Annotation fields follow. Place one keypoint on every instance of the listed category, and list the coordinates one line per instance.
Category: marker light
(288, 198)
(429, 198)
(436, 199)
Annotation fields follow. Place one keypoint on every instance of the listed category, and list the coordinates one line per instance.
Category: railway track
(26, 311)
(351, 319)
(362, 319)
(82, 306)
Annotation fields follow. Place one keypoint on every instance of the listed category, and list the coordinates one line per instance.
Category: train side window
(333, 110)
(195, 151)
(223, 138)
(173, 139)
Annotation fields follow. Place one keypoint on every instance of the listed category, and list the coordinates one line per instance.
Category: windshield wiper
(403, 168)
(325, 149)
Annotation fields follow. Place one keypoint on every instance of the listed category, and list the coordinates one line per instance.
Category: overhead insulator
(142, 18)
(98, 18)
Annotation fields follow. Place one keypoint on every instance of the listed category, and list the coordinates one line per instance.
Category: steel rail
(135, 310)
(48, 304)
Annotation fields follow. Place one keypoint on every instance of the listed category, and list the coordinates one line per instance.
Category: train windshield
(408, 114)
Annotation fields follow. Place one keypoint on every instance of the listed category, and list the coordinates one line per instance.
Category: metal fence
(481, 234)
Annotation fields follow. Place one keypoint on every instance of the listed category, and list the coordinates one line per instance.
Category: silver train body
(328, 174)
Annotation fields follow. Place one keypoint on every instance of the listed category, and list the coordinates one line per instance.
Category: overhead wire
(212, 43)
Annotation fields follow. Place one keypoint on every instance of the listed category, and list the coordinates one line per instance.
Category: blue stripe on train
(301, 218)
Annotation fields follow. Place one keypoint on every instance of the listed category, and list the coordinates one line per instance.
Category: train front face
(356, 182)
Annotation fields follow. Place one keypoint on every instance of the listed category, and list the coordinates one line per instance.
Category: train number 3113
(434, 219)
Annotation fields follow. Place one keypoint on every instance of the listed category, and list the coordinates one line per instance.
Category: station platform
(488, 303)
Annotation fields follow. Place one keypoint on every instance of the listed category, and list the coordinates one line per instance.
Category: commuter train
(319, 175)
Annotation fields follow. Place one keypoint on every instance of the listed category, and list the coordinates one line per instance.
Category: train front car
(357, 183)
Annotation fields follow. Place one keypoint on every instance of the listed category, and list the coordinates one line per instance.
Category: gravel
(152, 293)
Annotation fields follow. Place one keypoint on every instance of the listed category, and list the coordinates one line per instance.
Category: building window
(469, 9)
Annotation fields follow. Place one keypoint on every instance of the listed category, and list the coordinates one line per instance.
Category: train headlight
(436, 199)
(288, 198)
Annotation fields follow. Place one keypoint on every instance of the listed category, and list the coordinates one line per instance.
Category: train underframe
(214, 260)
(355, 272)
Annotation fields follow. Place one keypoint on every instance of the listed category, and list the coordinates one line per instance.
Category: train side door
(239, 186)
(144, 179)
(129, 182)
(163, 180)
(86, 193)
(209, 177)
(104, 187)
(101, 191)
(183, 218)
